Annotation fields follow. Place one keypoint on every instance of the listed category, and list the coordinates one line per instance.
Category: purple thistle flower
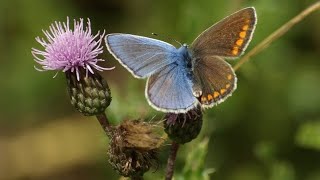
(67, 49)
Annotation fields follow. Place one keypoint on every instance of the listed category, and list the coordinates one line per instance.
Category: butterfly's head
(184, 48)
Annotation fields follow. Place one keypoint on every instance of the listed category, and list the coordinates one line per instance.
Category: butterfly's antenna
(171, 39)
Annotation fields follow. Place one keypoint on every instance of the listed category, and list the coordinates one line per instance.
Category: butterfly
(180, 79)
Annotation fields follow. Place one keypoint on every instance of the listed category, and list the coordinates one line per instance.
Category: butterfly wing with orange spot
(228, 37)
(217, 79)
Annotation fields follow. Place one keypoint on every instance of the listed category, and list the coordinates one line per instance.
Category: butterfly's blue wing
(169, 90)
(142, 56)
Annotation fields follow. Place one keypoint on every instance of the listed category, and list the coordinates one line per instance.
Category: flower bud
(183, 127)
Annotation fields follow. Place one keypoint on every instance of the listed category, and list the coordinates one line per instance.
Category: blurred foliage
(308, 135)
(194, 167)
(282, 171)
(268, 129)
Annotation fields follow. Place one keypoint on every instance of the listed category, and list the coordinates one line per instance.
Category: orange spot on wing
(229, 77)
(239, 42)
(245, 27)
(247, 21)
(227, 86)
(210, 97)
(216, 94)
(203, 99)
(235, 50)
(242, 34)
(222, 91)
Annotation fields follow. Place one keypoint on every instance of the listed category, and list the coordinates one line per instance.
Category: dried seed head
(134, 147)
(183, 127)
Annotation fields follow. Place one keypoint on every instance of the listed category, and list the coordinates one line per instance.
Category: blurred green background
(268, 130)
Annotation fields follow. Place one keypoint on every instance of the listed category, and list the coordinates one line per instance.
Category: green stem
(104, 122)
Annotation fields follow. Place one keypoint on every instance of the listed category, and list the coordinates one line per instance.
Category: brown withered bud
(134, 147)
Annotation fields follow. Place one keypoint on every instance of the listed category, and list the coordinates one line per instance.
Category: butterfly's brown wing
(217, 79)
(228, 37)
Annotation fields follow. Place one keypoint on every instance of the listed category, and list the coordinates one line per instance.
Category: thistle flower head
(67, 49)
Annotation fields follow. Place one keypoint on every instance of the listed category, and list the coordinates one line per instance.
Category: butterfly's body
(181, 78)
(182, 57)
(187, 62)
(184, 60)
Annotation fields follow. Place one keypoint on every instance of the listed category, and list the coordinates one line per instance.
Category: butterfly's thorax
(187, 61)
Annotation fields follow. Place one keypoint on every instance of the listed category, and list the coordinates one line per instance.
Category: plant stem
(104, 122)
(277, 34)
(171, 160)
